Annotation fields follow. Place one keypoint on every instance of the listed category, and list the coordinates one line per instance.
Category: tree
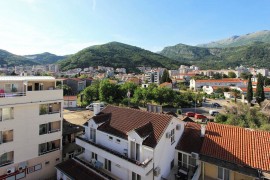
(217, 76)
(249, 90)
(260, 90)
(244, 75)
(231, 74)
(165, 77)
(109, 92)
(235, 93)
(91, 93)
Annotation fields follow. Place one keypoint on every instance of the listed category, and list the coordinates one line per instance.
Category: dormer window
(110, 138)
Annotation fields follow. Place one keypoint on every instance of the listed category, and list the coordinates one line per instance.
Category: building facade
(30, 127)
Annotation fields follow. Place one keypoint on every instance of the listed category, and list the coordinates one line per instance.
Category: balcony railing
(94, 168)
(141, 164)
(5, 163)
(12, 94)
(48, 151)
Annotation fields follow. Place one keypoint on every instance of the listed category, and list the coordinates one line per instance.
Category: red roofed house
(126, 143)
(266, 92)
(230, 152)
(226, 82)
(70, 101)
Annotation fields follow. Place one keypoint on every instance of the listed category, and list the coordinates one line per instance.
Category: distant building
(152, 77)
(70, 101)
(76, 84)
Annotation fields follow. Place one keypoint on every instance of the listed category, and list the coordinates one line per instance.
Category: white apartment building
(152, 77)
(126, 143)
(30, 127)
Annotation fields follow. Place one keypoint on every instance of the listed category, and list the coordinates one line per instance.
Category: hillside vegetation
(117, 54)
(45, 58)
(13, 60)
(256, 54)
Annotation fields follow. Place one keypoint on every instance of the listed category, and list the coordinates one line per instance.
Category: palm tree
(235, 93)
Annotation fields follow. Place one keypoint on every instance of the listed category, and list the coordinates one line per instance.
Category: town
(156, 124)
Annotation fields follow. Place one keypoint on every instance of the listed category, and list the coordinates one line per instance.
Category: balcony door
(135, 151)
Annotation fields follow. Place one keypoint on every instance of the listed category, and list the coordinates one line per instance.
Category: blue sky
(67, 26)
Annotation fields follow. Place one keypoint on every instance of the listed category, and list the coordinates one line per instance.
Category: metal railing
(12, 94)
(48, 151)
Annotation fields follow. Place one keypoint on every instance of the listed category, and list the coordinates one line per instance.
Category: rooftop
(222, 80)
(124, 120)
(26, 78)
(237, 145)
(191, 140)
(75, 170)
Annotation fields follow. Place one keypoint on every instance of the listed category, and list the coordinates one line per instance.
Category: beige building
(30, 127)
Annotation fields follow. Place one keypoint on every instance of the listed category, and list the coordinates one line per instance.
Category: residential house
(70, 101)
(76, 84)
(30, 127)
(226, 82)
(126, 143)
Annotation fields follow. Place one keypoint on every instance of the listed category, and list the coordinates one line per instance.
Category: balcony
(6, 158)
(97, 170)
(50, 127)
(51, 108)
(141, 168)
(48, 147)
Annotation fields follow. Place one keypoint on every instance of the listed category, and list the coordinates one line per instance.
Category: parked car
(216, 105)
(91, 106)
(213, 112)
(200, 116)
(190, 114)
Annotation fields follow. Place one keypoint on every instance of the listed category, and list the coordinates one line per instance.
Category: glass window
(220, 173)
(43, 129)
(223, 173)
(226, 174)
(172, 136)
(7, 113)
(192, 161)
(185, 159)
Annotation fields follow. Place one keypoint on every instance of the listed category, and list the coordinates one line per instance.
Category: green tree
(91, 93)
(217, 76)
(244, 75)
(249, 90)
(109, 92)
(165, 77)
(235, 93)
(231, 74)
(260, 90)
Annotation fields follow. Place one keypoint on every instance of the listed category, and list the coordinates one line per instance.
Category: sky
(67, 26)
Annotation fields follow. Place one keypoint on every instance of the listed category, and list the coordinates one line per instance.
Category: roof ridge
(139, 110)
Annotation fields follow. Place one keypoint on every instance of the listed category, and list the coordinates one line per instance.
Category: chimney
(202, 130)
(96, 107)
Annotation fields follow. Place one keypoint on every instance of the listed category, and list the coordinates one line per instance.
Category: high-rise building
(30, 127)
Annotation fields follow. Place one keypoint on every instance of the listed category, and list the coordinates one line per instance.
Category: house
(166, 84)
(230, 152)
(126, 143)
(266, 92)
(70, 101)
(30, 127)
(70, 148)
(226, 82)
(76, 84)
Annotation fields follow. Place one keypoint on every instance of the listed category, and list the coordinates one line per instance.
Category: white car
(91, 107)
(213, 112)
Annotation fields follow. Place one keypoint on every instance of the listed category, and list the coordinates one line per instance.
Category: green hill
(234, 41)
(45, 58)
(256, 54)
(14, 60)
(117, 54)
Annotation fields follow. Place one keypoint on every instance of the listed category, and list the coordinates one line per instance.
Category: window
(135, 176)
(172, 163)
(49, 147)
(6, 136)
(186, 160)
(108, 164)
(42, 129)
(118, 140)
(6, 113)
(223, 174)
(93, 134)
(6, 158)
(172, 136)
(110, 138)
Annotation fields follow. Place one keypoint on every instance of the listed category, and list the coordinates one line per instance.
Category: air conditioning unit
(195, 155)
(168, 135)
(10, 170)
(157, 171)
(178, 126)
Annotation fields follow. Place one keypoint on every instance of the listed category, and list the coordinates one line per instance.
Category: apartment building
(30, 127)
(126, 143)
(196, 84)
(152, 77)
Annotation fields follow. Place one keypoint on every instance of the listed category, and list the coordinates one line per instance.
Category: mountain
(45, 58)
(255, 54)
(115, 54)
(13, 60)
(234, 41)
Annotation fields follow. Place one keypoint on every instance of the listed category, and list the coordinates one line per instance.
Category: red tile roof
(124, 120)
(228, 80)
(191, 140)
(237, 145)
(70, 98)
(77, 171)
(254, 89)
